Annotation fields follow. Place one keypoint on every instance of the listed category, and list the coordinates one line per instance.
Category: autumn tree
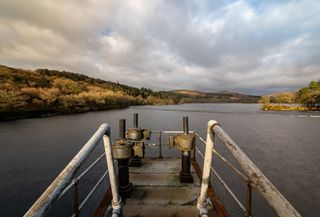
(310, 95)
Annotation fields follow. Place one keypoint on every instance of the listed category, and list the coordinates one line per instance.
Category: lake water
(284, 145)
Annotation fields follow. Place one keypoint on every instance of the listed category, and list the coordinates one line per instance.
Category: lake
(284, 145)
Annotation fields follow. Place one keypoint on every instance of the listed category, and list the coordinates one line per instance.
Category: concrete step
(156, 211)
(163, 196)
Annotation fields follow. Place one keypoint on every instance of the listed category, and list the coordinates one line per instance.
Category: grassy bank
(278, 107)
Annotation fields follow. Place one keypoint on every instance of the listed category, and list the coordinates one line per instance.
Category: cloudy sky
(249, 46)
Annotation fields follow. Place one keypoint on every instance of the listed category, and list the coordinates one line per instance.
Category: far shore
(286, 107)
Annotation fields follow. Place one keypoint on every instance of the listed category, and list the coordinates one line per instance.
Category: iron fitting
(185, 142)
(122, 149)
(135, 134)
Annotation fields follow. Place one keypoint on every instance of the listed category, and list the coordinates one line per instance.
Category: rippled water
(284, 145)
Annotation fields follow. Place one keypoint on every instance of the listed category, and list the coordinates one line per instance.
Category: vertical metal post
(185, 125)
(185, 174)
(122, 128)
(194, 154)
(116, 199)
(75, 198)
(249, 200)
(160, 146)
(202, 200)
(123, 164)
(135, 120)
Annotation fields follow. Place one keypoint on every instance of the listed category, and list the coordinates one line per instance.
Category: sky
(254, 47)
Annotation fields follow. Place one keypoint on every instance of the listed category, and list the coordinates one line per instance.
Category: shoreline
(18, 115)
(279, 107)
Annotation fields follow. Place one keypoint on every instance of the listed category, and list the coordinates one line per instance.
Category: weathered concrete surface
(157, 190)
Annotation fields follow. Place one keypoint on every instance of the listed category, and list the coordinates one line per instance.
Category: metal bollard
(122, 151)
(185, 143)
(136, 134)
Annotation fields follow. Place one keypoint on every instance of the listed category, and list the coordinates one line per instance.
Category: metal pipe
(123, 174)
(202, 200)
(135, 120)
(185, 125)
(122, 128)
(185, 162)
(272, 195)
(116, 200)
(54, 190)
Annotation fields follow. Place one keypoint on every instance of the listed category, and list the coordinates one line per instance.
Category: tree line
(65, 92)
(308, 96)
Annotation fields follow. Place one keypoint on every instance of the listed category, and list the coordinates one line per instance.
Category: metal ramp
(157, 190)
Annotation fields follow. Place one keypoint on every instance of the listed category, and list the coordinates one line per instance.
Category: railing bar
(231, 165)
(226, 161)
(202, 140)
(92, 165)
(80, 176)
(171, 131)
(199, 152)
(228, 189)
(65, 190)
(92, 190)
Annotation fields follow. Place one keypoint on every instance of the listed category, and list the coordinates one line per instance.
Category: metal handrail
(275, 199)
(92, 190)
(223, 159)
(81, 175)
(224, 184)
(57, 187)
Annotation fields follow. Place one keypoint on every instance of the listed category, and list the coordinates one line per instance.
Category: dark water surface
(284, 145)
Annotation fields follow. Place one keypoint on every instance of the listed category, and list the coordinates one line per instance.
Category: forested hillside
(43, 91)
(25, 93)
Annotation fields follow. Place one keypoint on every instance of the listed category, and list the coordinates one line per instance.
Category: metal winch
(135, 135)
(185, 142)
(122, 152)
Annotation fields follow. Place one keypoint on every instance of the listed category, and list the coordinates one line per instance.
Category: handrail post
(202, 200)
(75, 198)
(116, 199)
(249, 200)
(194, 154)
(160, 146)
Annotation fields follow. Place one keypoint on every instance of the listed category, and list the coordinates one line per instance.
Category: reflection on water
(284, 145)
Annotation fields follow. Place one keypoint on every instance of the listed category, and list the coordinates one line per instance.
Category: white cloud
(205, 45)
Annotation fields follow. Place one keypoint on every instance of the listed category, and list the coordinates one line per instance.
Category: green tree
(310, 95)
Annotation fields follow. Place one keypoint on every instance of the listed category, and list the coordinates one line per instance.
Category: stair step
(158, 211)
(163, 196)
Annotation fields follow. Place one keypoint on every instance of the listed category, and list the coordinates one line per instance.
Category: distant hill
(25, 93)
(190, 96)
